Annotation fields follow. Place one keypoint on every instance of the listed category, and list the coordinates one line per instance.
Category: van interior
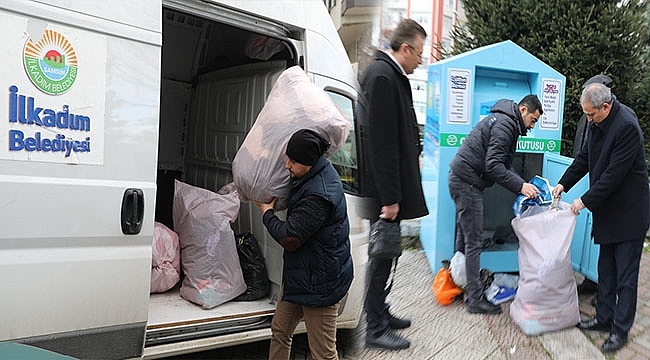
(214, 81)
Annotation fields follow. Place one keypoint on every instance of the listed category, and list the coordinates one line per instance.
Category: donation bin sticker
(458, 96)
(550, 119)
(54, 82)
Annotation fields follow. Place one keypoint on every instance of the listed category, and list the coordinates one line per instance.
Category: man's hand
(529, 190)
(557, 191)
(389, 212)
(577, 205)
(266, 206)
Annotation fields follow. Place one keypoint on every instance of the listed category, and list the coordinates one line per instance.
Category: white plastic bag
(547, 297)
(458, 272)
(294, 103)
(209, 256)
(165, 259)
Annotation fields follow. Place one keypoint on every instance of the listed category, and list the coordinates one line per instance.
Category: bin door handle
(132, 211)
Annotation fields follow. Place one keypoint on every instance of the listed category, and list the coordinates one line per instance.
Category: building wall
(364, 30)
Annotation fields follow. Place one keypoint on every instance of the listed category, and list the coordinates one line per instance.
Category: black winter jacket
(319, 272)
(486, 154)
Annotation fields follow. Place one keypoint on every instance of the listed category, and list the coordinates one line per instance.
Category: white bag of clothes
(165, 259)
(212, 274)
(547, 297)
(458, 270)
(294, 103)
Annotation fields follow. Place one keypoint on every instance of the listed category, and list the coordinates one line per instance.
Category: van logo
(51, 63)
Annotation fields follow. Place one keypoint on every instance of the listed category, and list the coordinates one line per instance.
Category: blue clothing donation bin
(461, 90)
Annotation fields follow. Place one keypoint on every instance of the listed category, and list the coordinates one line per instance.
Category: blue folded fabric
(544, 198)
(504, 294)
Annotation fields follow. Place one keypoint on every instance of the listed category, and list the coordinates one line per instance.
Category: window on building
(447, 24)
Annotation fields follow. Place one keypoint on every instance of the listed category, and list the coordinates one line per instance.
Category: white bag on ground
(294, 103)
(165, 259)
(212, 274)
(458, 270)
(547, 297)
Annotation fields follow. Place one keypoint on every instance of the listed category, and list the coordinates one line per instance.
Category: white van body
(159, 90)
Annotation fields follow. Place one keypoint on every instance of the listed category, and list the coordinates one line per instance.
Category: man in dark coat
(485, 158)
(618, 197)
(317, 269)
(581, 126)
(394, 151)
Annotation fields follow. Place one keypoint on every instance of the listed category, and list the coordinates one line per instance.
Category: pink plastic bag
(547, 296)
(165, 259)
(294, 103)
(212, 273)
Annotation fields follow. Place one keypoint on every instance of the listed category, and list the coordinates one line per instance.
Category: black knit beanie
(306, 147)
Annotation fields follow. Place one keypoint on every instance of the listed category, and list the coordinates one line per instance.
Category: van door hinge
(132, 211)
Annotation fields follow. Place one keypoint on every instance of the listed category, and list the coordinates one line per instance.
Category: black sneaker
(398, 323)
(614, 343)
(388, 340)
(483, 307)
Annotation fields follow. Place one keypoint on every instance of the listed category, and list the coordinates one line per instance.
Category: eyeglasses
(413, 50)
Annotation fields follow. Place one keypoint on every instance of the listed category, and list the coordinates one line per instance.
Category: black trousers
(377, 273)
(618, 279)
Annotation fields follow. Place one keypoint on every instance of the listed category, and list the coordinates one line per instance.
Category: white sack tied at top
(294, 103)
(547, 297)
(209, 258)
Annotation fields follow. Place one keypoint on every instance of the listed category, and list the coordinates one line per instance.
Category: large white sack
(165, 259)
(547, 297)
(212, 273)
(294, 103)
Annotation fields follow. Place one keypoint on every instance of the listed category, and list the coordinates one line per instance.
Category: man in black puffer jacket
(483, 159)
(317, 269)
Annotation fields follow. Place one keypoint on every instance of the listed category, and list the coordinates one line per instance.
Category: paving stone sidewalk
(449, 332)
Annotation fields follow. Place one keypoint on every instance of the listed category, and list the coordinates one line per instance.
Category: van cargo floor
(170, 309)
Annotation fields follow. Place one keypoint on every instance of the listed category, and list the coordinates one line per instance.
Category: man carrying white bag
(294, 103)
(547, 296)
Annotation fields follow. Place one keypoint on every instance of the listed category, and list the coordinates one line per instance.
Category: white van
(108, 102)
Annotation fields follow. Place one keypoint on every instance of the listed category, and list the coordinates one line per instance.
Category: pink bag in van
(211, 269)
(165, 259)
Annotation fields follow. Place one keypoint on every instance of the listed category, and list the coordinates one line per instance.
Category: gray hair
(596, 94)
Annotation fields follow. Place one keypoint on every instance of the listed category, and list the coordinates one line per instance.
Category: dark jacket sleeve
(499, 152)
(307, 217)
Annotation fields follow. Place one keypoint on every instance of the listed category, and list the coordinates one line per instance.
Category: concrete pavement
(449, 332)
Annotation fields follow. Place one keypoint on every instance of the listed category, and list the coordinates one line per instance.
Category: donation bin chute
(460, 92)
